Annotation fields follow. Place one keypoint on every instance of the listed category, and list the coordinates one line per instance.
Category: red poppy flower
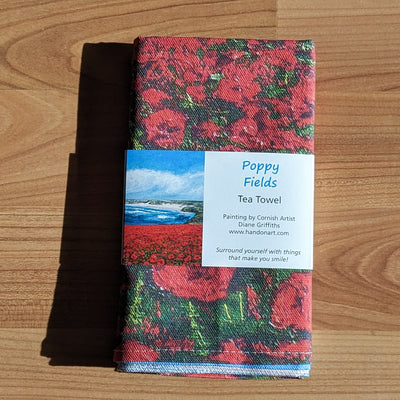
(262, 70)
(158, 309)
(303, 112)
(291, 305)
(162, 244)
(131, 351)
(155, 97)
(253, 300)
(210, 59)
(268, 279)
(252, 109)
(238, 84)
(232, 353)
(278, 135)
(196, 93)
(235, 54)
(183, 66)
(148, 328)
(165, 128)
(282, 57)
(156, 70)
(153, 259)
(175, 345)
(188, 66)
(245, 131)
(202, 283)
(300, 349)
(229, 147)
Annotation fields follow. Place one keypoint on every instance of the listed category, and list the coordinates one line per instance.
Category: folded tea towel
(179, 318)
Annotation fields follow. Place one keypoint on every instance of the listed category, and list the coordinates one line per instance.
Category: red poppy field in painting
(162, 244)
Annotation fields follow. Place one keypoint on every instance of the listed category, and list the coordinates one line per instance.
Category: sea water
(148, 215)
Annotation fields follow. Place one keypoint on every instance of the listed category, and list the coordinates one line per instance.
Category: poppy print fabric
(177, 317)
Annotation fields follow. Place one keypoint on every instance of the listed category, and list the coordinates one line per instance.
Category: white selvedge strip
(290, 370)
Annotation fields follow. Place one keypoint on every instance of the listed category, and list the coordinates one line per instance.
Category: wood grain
(357, 42)
(38, 134)
(42, 42)
(63, 113)
(342, 369)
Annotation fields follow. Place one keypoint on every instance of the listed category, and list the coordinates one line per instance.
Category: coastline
(162, 206)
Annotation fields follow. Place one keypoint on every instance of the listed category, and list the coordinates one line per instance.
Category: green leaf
(280, 275)
(273, 91)
(306, 45)
(197, 335)
(305, 58)
(308, 130)
(172, 69)
(275, 115)
(214, 46)
(235, 308)
(273, 44)
(219, 120)
(304, 151)
(138, 133)
(200, 53)
(135, 315)
(145, 110)
(236, 44)
(187, 103)
(290, 78)
(137, 145)
(217, 76)
(224, 112)
(213, 82)
(187, 140)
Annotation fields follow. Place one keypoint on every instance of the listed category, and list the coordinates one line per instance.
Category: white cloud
(151, 184)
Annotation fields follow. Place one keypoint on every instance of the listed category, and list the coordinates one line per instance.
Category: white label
(258, 210)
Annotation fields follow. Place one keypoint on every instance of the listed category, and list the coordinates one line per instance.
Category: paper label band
(256, 208)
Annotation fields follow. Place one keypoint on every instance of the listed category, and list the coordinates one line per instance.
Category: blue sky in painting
(164, 175)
